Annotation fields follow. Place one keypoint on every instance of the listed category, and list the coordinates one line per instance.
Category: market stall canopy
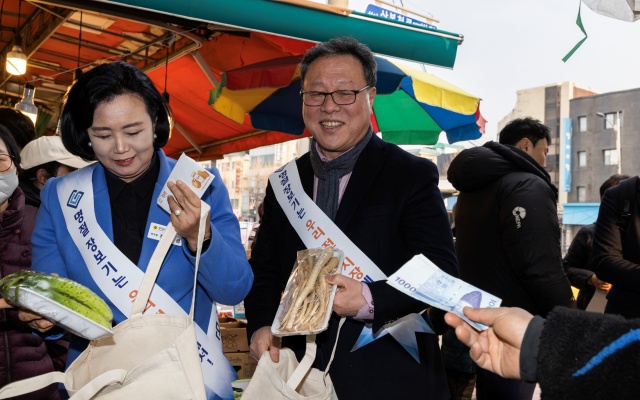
(316, 22)
(184, 46)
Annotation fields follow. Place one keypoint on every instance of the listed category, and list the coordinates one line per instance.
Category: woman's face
(8, 178)
(5, 151)
(122, 136)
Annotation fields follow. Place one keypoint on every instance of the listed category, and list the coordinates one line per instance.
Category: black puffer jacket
(22, 353)
(507, 233)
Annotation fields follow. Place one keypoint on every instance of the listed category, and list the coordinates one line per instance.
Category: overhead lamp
(26, 105)
(16, 61)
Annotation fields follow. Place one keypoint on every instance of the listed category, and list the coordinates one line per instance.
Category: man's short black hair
(521, 128)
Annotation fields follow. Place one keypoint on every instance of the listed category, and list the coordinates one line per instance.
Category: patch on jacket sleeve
(519, 213)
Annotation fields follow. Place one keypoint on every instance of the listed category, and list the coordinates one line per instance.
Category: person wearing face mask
(114, 114)
(22, 354)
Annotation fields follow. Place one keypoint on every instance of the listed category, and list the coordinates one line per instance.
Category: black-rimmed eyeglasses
(340, 97)
(5, 162)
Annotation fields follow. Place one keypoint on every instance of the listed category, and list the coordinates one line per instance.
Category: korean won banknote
(424, 281)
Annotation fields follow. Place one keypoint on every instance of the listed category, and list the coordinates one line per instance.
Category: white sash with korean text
(119, 278)
(316, 229)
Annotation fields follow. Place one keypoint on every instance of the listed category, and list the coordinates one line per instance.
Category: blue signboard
(565, 154)
(396, 16)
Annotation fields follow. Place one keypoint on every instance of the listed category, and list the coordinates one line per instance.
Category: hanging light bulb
(26, 105)
(16, 61)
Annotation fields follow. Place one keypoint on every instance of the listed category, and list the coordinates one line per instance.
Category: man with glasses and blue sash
(378, 204)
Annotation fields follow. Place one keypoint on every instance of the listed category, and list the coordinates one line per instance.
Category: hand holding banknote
(496, 349)
(423, 280)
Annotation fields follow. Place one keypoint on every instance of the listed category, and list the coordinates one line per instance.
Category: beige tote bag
(288, 380)
(148, 356)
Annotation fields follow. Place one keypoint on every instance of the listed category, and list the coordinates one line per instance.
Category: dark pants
(490, 386)
(461, 384)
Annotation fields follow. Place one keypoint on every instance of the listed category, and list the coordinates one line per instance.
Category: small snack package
(307, 301)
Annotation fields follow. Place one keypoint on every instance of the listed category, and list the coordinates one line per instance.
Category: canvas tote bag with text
(148, 357)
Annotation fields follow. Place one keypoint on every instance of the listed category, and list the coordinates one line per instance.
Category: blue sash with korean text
(119, 278)
(317, 230)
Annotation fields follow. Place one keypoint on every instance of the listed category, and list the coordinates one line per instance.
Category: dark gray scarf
(330, 172)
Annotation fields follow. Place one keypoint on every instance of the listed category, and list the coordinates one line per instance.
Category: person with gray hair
(386, 202)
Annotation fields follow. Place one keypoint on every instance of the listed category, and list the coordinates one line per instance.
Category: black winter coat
(578, 264)
(507, 232)
(617, 254)
(392, 210)
(587, 356)
(22, 353)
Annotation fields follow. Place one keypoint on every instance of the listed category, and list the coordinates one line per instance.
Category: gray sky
(517, 44)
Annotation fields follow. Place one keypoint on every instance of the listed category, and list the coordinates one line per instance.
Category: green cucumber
(61, 290)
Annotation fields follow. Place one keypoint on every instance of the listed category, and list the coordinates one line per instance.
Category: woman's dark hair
(20, 126)
(343, 46)
(613, 180)
(104, 83)
(7, 137)
(51, 168)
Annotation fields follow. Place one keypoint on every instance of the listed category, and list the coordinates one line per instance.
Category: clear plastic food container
(305, 307)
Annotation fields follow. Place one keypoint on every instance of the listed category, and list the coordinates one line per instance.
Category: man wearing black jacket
(508, 238)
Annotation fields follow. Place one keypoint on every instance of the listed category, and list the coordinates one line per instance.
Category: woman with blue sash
(100, 225)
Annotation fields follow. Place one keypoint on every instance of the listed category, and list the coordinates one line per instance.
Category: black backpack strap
(627, 201)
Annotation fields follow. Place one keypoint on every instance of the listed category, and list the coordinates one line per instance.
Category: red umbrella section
(188, 83)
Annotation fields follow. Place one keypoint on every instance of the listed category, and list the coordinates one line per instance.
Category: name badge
(156, 231)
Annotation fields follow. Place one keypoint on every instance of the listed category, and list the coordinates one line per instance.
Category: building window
(582, 194)
(582, 159)
(610, 157)
(582, 124)
(610, 120)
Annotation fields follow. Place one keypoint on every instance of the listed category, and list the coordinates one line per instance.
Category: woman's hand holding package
(185, 213)
(35, 321)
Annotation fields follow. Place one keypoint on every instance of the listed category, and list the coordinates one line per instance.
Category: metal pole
(618, 143)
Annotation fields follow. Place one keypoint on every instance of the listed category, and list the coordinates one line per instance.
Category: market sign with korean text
(396, 16)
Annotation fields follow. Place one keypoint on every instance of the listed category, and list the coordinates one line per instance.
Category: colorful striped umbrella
(410, 107)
